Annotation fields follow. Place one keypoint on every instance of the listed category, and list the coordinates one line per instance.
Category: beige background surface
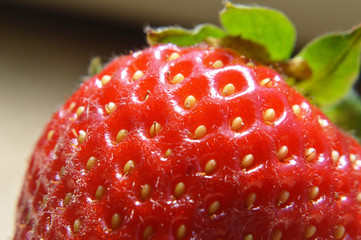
(44, 54)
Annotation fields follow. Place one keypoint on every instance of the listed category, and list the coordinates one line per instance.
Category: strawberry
(195, 142)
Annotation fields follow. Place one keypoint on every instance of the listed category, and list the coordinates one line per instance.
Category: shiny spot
(335, 155)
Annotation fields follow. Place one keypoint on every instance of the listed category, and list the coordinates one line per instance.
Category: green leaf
(183, 37)
(335, 64)
(95, 66)
(264, 26)
(347, 113)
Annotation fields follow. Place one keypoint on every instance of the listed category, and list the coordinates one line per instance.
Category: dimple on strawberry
(203, 135)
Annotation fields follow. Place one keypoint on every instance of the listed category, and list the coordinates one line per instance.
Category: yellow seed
(313, 192)
(50, 135)
(178, 78)
(80, 110)
(335, 155)
(297, 110)
(146, 95)
(129, 167)
(189, 102)
(310, 154)
(210, 167)
(237, 124)
(105, 79)
(61, 172)
(116, 220)
(173, 56)
(283, 197)
(168, 153)
(269, 115)
(228, 90)
(282, 153)
(353, 157)
(181, 232)
(72, 106)
(250, 199)
(110, 107)
(179, 189)
(81, 136)
(250, 64)
(137, 75)
(310, 231)
(155, 129)
(339, 231)
(214, 207)
(200, 132)
(358, 197)
(267, 82)
(277, 235)
(145, 191)
(217, 64)
(91, 163)
(100, 192)
(148, 232)
(248, 237)
(77, 225)
(247, 160)
(122, 134)
(67, 199)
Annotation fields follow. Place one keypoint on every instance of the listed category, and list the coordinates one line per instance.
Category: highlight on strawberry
(210, 133)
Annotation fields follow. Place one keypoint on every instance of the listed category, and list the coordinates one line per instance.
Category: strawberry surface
(190, 143)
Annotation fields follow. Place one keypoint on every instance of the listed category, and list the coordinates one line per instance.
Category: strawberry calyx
(326, 68)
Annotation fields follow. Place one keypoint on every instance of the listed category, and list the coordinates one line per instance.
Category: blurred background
(45, 48)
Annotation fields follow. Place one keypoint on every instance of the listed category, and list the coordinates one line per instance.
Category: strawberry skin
(190, 143)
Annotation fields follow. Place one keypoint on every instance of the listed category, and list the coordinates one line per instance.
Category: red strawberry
(190, 143)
